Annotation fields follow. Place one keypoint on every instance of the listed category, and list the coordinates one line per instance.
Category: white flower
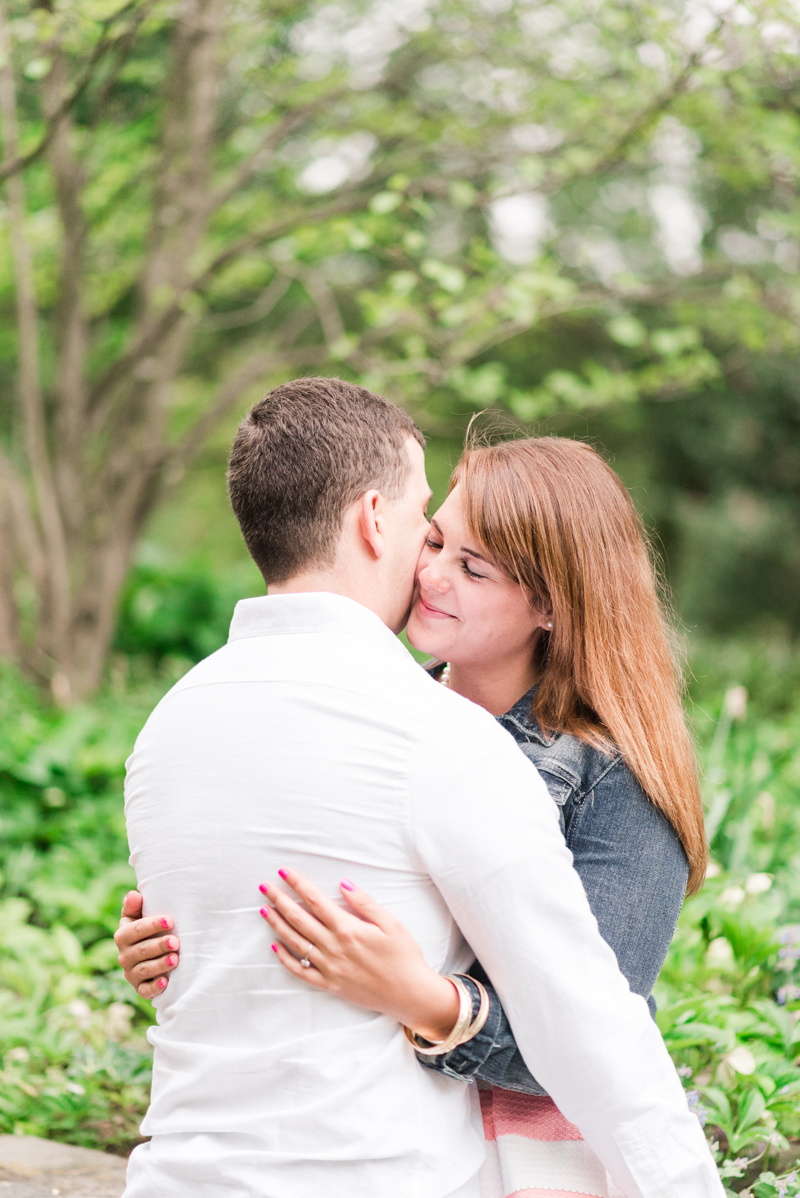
(736, 702)
(81, 1012)
(720, 953)
(758, 884)
(732, 896)
(742, 1060)
(118, 1020)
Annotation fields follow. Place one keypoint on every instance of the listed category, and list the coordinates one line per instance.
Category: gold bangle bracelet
(462, 1024)
(466, 1028)
(483, 1009)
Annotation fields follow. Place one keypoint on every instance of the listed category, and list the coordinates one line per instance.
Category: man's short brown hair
(304, 453)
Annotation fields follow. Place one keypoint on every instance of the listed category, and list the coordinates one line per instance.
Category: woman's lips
(434, 613)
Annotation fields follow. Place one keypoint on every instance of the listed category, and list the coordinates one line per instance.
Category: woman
(536, 596)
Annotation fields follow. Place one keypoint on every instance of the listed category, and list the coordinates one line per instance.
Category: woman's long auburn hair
(557, 519)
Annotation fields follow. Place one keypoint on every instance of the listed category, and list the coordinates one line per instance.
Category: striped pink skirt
(532, 1151)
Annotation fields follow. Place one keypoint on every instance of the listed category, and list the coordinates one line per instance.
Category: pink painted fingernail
(264, 888)
(264, 912)
(346, 884)
(165, 923)
(161, 983)
(170, 961)
(274, 947)
(171, 943)
(282, 873)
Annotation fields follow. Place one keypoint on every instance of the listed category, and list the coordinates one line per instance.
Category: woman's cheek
(425, 558)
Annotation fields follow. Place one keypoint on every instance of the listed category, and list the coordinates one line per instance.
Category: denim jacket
(632, 866)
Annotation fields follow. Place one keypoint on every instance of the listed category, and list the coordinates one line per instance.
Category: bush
(180, 611)
(75, 1061)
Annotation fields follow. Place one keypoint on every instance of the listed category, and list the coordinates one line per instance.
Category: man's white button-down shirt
(313, 740)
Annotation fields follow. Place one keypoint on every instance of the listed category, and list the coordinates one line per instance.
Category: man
(313, 741)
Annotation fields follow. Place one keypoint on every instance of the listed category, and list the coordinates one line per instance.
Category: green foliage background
(677, 359)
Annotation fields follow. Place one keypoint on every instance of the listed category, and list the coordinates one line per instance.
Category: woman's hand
(145, 953)
(368, 957)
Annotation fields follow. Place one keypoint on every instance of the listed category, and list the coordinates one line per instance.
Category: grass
(75, 1060)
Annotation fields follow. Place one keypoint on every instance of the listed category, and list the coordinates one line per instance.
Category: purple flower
(696, 1106)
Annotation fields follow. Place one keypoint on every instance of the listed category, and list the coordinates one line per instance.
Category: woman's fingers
(300, 945)
(290, 963)
(132, 931)
(152, 989)
(366, 907)
(306, 923)
(132, 905)
(150, 969)
(149, 950)
(320, 906)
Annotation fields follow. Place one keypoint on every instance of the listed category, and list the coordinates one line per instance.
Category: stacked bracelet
(465, 1026)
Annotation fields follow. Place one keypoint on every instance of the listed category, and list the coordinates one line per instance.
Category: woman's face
(466, 611)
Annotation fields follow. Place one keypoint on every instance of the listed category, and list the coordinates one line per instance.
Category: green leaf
(751, 1110)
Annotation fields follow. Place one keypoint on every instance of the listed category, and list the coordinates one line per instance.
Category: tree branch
(10, 645)
(27, 326)
(151, 334)
(123, 46)
(17, 162)
(72, 326)
(286, 125)
(29, 541)
(348, 202)
(323, 299)
(646, 117)
(262, 307)
(181, 209)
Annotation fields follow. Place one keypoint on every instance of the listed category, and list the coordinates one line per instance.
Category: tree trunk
(84, 509)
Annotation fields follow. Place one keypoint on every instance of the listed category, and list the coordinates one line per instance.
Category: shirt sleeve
(634, 872)
(488, 834)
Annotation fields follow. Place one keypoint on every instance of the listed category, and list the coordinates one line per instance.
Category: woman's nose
(433, 578)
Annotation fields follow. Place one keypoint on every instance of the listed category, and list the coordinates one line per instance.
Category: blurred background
(576, 218)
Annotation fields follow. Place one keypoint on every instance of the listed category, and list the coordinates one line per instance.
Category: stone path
(34, 1168)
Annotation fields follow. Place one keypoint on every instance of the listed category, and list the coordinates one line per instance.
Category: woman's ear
(370, 523)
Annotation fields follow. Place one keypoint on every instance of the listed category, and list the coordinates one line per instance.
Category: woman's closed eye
(469, 573)
(429, 541)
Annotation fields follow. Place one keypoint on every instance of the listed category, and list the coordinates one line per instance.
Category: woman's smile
(433, 613)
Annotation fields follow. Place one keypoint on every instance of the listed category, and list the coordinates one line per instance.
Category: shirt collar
(311, 611)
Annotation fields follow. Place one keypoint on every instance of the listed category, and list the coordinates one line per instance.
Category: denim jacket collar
(520, 718)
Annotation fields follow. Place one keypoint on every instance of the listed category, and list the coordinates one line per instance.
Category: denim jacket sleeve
(634, 871)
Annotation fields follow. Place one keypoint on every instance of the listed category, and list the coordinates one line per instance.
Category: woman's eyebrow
(472, 553)
(464, 548)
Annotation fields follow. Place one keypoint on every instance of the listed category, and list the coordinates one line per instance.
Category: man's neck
(333, 582)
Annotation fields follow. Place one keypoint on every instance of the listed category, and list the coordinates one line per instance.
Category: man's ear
(370, 522)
